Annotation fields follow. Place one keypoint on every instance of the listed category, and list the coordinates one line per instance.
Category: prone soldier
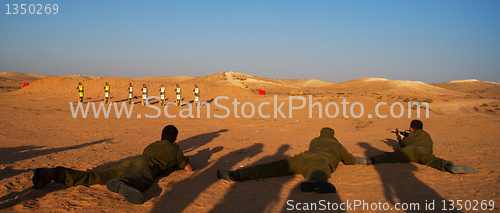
(129, 178)
(315, 164)
(417, 147)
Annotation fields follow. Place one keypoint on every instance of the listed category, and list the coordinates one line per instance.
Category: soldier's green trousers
(412, 154)
(311, 165)
(137, 172)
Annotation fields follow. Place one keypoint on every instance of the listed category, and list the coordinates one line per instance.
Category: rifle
(405, 133)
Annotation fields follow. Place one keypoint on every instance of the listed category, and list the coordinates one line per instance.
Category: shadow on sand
(183, 193)
(14, 154)
(262, 195)
(399, 181)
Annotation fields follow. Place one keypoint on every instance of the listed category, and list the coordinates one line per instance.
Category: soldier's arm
(346, 157)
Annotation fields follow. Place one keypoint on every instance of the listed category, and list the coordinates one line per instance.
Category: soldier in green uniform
(417, 148)
(129, 178)
(80, 92)
(315, 164)
(106, 93)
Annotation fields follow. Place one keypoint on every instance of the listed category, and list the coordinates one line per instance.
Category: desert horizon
(38, 130)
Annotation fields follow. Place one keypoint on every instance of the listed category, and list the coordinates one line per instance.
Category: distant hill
(230, 83)
(473, 86)
(382, 85)
(10, 81)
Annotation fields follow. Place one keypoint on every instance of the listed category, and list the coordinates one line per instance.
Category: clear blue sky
(430, 41)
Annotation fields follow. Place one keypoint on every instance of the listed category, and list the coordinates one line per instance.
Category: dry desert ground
(38, 130)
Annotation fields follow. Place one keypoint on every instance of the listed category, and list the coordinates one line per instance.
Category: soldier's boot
(363, 161)
(228, 175)
(43, 176)
(460, 169)
(317, 181)
(316, 186)
(130, 193)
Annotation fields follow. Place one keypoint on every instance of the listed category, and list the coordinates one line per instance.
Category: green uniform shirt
(165, 154)
(327, 145)
(418, 138)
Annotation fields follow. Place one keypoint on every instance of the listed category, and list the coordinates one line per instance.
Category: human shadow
(197, 141)
(394, 144)
(400, 183)
(11, 155)
(183, 193)
(261, 195)
(198, 160)
(29, 193)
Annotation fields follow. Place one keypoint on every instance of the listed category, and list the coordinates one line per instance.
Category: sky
(430, 41)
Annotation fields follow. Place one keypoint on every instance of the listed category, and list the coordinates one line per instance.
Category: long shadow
(391, 143)
(11, 155)
(399, 182)
(126, 99)
(183, 193)
(189, 144)
(210, 101)
(199, 160)
(26, 194)
(260, 195)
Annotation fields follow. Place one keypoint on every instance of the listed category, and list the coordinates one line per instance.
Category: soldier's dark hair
(169, 133)
(416, 124)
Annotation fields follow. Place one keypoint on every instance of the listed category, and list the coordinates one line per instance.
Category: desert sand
(38, 130)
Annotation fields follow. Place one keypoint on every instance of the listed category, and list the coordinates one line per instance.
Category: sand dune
(382, 85)
(38, 130)
(250, 84)
(11, 81)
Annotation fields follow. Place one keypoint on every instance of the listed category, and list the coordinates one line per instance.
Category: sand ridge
(38, 130)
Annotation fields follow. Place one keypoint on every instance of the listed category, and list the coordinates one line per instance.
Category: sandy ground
(38, 130)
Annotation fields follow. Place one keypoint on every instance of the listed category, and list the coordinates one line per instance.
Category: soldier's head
(327, 132)
(106, 83)
(143, 85)
(130, 84)
(416, 125)
(177, 85)
(169, 133)
(79, 83)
